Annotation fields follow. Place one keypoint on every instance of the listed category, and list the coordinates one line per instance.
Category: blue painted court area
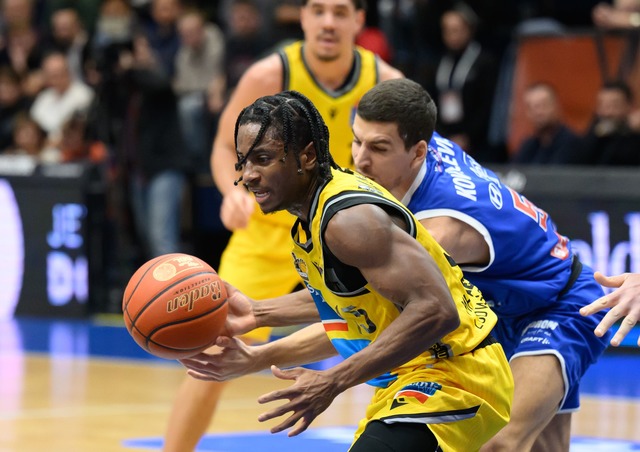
(334, 440)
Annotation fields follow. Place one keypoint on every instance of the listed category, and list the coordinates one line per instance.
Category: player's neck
(401, 190)
(330, 74)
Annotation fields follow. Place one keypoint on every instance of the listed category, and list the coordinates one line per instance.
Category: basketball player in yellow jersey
(334, 73)
(394, 305)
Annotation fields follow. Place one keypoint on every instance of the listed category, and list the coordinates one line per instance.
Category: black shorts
(395, 437)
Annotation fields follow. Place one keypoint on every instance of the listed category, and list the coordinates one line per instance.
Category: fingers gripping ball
(175, 306)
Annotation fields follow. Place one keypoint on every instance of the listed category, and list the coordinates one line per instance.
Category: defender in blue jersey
(506, 245)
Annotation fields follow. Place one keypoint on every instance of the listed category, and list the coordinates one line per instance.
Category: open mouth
(261, 195)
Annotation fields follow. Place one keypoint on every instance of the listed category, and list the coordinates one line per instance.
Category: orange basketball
(175, 306)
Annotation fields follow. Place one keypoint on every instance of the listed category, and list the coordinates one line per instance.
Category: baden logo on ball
(175, 306)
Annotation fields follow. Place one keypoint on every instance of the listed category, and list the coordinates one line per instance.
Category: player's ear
(420, 149)
(308, 157)
(360, 20)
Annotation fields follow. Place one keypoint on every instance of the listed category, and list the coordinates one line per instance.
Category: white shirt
(52, 109)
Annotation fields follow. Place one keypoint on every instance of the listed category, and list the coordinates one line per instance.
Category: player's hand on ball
(311, 394)
(240, 316)
(237, 206)
(233, 360)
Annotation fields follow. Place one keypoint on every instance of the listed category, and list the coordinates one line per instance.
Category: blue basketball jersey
(527, 271)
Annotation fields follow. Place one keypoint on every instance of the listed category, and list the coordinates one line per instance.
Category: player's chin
(328, 52)
(267, 205)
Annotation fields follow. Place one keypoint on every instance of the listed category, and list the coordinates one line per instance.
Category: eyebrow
(375, 141)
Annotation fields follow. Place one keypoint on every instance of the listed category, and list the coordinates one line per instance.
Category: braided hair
(292, 118)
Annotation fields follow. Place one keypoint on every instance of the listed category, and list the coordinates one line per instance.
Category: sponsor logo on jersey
(419, 391)
(301, 267)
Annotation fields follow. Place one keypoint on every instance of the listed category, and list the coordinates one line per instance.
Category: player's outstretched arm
(624, 302)
(244, 314)
(261, 79)
(401, 270)
(236, 359)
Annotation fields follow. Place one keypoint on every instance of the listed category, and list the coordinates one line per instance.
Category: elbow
(450, 320)
(453, 322)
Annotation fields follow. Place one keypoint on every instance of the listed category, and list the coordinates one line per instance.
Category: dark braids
(292, 118)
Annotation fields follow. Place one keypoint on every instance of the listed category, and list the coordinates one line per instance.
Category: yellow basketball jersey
(336, 107)
(352, 312)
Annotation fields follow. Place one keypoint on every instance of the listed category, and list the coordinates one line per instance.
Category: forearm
(297, 308)
(222, 168)
(304, 346)
(408, 336)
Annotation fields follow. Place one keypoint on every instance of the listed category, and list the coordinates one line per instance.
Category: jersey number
(529, 209)
(541, 217)
(366, 324)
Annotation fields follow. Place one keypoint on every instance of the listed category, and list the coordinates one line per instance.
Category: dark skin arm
(236, 359)
(400, 269)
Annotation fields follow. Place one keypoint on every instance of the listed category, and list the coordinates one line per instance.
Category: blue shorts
(560, 330)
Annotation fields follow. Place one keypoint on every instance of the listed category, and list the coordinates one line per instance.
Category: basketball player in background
(329, 69)
(395, 305)
(624, 302)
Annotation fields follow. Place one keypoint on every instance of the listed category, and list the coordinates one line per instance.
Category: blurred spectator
(199, 82)
(63, 96)
(621, 15)
(285, 21)
(465, 81)
(161, 32)
(19, 45)
(113, 38)
(115, 24)
(244, 41)
(552, 141)
(372, 37)
(155, 150)
(77, 146)
(413, 30)
(12, 103)
(87, 11)
(69, 37)
(31, 140)
(610, 140)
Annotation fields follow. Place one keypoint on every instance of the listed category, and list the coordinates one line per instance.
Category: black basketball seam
(126, 304)
(156, 296)
(177, 322)
(133, 320)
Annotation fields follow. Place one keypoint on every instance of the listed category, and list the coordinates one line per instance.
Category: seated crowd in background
(136, 87)
(612, 138)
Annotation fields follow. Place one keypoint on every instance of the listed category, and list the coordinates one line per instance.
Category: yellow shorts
(464, 400)
(257, 261)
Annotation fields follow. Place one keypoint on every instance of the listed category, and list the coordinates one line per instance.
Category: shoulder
(354, 231)
(388, 72)
(213, 32)
(264, 75)
(81, 90)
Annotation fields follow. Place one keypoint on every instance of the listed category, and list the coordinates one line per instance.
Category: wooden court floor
(74, 386)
